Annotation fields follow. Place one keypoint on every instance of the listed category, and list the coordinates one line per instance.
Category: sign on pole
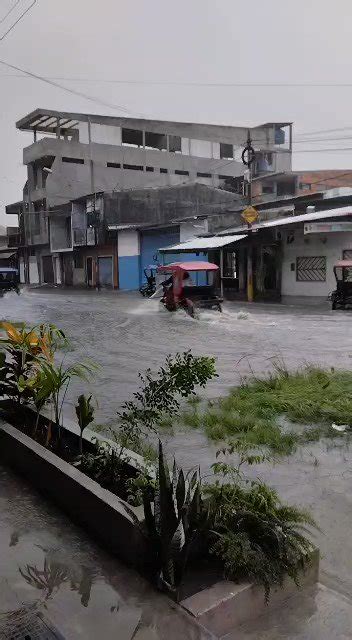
(250, 215)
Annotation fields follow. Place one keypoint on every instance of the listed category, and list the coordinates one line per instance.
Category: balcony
(84, 237)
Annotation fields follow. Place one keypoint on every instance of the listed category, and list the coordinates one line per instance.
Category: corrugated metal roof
(202, 244)
(305, 217)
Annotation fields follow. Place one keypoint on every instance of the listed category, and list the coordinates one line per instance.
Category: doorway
(89, 272)
(48, 269)
(105, 271)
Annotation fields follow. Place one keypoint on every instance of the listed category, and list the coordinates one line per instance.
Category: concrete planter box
(218, 608)
(84, 500)
(226, 605)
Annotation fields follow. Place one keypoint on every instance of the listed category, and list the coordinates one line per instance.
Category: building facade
(75, 154)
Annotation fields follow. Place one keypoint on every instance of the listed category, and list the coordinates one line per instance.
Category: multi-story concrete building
(75, 154)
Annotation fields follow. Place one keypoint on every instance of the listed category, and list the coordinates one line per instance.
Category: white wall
(21, 270)
(100, 133)
(105, 134)
(216, 149)
(201, 148)
(185, 146)
(330, 245)
(128, 243)
(33, 270)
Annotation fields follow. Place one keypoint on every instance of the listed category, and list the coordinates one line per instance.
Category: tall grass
(311, 397)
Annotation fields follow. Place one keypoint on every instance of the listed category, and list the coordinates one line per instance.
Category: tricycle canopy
(343, 270)
(188, 266)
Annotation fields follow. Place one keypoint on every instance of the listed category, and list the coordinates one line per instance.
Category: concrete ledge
(226, 605)
(84, 500)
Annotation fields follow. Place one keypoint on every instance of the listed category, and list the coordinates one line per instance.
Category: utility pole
(248, 156)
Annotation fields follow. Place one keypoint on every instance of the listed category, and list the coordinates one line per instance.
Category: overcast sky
(192, 41)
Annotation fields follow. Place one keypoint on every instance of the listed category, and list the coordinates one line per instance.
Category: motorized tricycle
(190, 286)
(342, 296)
(9, 280)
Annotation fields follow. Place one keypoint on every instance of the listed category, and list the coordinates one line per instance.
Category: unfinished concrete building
(76, 154)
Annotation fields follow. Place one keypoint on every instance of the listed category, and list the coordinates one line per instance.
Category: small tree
(160, 394)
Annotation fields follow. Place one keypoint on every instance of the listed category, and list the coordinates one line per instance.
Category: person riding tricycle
(9, 280)
(180, 291)
(342, 296)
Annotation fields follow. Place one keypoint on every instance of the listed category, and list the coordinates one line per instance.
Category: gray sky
(201, 41)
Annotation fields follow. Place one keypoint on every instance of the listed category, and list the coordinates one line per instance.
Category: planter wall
(98, 510)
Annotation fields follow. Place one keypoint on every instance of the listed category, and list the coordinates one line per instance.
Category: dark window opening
(113, 165)
(226, 150)
(223, 177)
(163, 170)
(132, 137)
(73, 160)
(174, 143)
(36, 223)
(268, 188)
(78, 261)
(203, 175)
(286, 188)
(180, 172)
(133, 167)
(68, 231)
(156, 141)
(149, 169)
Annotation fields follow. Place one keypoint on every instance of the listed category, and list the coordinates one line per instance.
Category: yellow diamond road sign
(250, 215)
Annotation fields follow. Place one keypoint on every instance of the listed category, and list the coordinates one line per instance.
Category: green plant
(55, 381)
(174, 519)
(256, 536)
(158, 397)
(85, 415)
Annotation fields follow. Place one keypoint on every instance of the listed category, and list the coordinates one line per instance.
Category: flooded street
(124, 334)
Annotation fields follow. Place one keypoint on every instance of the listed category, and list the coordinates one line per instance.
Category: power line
(12, 8)
(72, 91)
(18, 20)
(205, 84)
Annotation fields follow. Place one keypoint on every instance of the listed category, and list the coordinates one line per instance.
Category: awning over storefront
(202, 244)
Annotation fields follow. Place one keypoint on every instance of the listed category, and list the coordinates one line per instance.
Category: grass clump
(253, 412)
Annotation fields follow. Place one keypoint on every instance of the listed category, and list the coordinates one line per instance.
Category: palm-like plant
(85, 415)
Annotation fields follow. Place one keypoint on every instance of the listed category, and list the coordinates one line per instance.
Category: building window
(304, 186)
(226, 150)
(203, 175)
(151, 169)
(175, 144)
(132, 138)
(268, 188)
(113, 165)
(155, 141)
(78, 261)
(73, 160)
(163, 170)
(133, 167)
(311, 269)
(180, 172)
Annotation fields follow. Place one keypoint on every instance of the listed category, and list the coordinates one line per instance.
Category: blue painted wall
(129, 272)
(151, 241)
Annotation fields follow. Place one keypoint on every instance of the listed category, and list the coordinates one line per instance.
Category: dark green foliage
(256, 536)
(174, 519)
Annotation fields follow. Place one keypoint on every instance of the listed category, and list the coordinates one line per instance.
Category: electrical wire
(18, 20)
(12, 8)
(72, 91)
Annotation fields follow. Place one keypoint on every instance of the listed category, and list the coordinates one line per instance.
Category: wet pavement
(126, 334)
(53, 575)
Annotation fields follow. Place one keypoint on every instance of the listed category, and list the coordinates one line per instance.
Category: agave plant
(174, 521)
